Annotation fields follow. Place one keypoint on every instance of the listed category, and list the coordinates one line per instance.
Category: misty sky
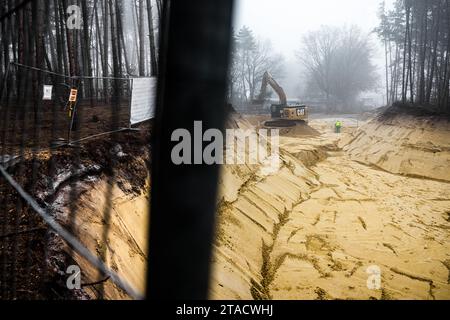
(284, 21)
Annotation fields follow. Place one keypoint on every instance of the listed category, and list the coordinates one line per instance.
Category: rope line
(66, 76)
(69, 238)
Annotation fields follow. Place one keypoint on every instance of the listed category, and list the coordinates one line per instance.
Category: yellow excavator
(283, 114)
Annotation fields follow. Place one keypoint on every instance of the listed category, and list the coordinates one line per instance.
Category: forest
(416, 37)
(92, 38)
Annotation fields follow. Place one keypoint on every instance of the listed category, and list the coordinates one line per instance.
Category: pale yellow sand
(337, 206)
(311, 230)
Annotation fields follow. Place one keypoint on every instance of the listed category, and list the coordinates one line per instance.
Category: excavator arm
(269, 80)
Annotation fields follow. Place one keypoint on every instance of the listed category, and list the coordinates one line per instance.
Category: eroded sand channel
(312, 230)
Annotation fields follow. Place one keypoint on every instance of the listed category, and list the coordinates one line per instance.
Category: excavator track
(280, 124)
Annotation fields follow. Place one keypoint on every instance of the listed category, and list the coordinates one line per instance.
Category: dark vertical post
(192, 87)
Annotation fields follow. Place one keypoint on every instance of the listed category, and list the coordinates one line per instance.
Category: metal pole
(131, 100)
(72, 114)
(192, 87)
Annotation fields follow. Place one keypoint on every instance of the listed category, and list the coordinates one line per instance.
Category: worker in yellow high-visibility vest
(338, 126)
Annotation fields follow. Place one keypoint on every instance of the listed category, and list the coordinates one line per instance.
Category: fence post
(131, 101)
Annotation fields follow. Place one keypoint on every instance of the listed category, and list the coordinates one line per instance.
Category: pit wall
(121, 242)
(406, 145)
(253, 207)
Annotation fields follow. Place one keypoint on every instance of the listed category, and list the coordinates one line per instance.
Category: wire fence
(46, 120)
(92, 105)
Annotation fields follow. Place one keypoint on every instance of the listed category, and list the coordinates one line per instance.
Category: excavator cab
(276, 111)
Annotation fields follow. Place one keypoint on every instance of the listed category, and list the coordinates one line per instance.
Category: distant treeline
(416, 35)
(96, 38)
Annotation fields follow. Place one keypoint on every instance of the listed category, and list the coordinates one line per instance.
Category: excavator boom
(269, 80)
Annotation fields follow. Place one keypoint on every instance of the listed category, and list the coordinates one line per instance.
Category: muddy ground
(30, 126)
(33, 258)
(376, 195)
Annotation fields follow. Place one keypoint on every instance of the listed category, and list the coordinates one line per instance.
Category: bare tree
(251, 59)
(338, 64)
(151, 36)
(141, 39)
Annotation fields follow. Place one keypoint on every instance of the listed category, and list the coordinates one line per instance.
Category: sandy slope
(407, 145)
(125, 250)
(311, 230)
(111, 213)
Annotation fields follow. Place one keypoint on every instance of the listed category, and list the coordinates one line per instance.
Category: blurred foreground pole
(192, 87)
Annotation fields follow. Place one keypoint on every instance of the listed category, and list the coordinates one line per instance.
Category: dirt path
(320, 228)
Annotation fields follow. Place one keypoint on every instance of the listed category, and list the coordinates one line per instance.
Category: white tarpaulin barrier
(143, 100)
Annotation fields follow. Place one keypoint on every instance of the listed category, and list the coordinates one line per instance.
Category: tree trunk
(153, 55)
(141, 39)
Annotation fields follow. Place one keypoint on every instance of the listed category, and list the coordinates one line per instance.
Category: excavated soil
(103, 201)
(377, 195)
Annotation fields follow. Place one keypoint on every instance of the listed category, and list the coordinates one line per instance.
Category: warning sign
(48, 90)
(73, 95)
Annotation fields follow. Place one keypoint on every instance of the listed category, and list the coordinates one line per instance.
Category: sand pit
(314, 229)
(310, 230)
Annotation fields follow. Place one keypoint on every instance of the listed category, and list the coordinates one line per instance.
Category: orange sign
(73, 95)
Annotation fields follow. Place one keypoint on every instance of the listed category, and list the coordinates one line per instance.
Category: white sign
(48, 90)
(143, 100)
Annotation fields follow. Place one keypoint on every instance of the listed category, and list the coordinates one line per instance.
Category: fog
(284, 22)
